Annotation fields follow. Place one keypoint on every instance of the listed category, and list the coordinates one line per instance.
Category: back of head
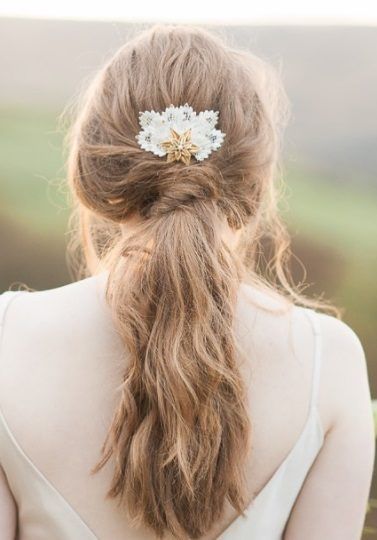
(181, 434)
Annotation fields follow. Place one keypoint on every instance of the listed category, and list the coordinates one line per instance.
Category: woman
(173, 391)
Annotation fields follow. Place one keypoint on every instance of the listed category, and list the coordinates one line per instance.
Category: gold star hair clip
(179, 133)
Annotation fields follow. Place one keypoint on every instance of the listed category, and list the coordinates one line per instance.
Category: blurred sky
(362, 12)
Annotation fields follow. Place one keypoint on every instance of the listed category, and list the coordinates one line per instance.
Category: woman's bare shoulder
(55, 311)
(343, 350)
(344, 378)
(336, 490)
(341, 335)
(343, 360)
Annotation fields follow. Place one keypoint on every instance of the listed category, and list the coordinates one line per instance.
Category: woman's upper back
(61, 362)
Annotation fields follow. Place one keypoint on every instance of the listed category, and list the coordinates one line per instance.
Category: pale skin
(332, 502)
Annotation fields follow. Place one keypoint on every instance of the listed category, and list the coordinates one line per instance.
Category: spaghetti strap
(5, 300)
(316, 372)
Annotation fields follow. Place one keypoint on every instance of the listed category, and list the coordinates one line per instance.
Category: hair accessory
(179, 132)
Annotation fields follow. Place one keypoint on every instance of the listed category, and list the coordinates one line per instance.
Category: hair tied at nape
(131, 249)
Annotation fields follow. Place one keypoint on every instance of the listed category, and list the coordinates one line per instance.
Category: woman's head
(114, 178)
(168, 233)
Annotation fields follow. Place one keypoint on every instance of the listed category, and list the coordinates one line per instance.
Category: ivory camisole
(46, 515)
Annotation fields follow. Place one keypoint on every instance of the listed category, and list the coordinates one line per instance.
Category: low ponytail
(181, 432)
(180, 436)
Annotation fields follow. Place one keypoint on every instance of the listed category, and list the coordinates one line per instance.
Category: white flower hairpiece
(179, 132)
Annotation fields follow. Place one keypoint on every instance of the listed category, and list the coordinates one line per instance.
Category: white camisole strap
(5, 300)
(317, 355)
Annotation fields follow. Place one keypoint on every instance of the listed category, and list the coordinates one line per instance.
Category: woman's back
(61, 364)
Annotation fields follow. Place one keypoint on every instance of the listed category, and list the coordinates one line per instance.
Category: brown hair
(181, 433)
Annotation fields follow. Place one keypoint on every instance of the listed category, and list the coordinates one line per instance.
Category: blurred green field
(31, 167)
(333, 225)
(343, 218)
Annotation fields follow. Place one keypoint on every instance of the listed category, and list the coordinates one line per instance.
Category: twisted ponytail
(181, 429)
(180, 435)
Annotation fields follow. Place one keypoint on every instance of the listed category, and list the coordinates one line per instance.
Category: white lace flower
(180, 132)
